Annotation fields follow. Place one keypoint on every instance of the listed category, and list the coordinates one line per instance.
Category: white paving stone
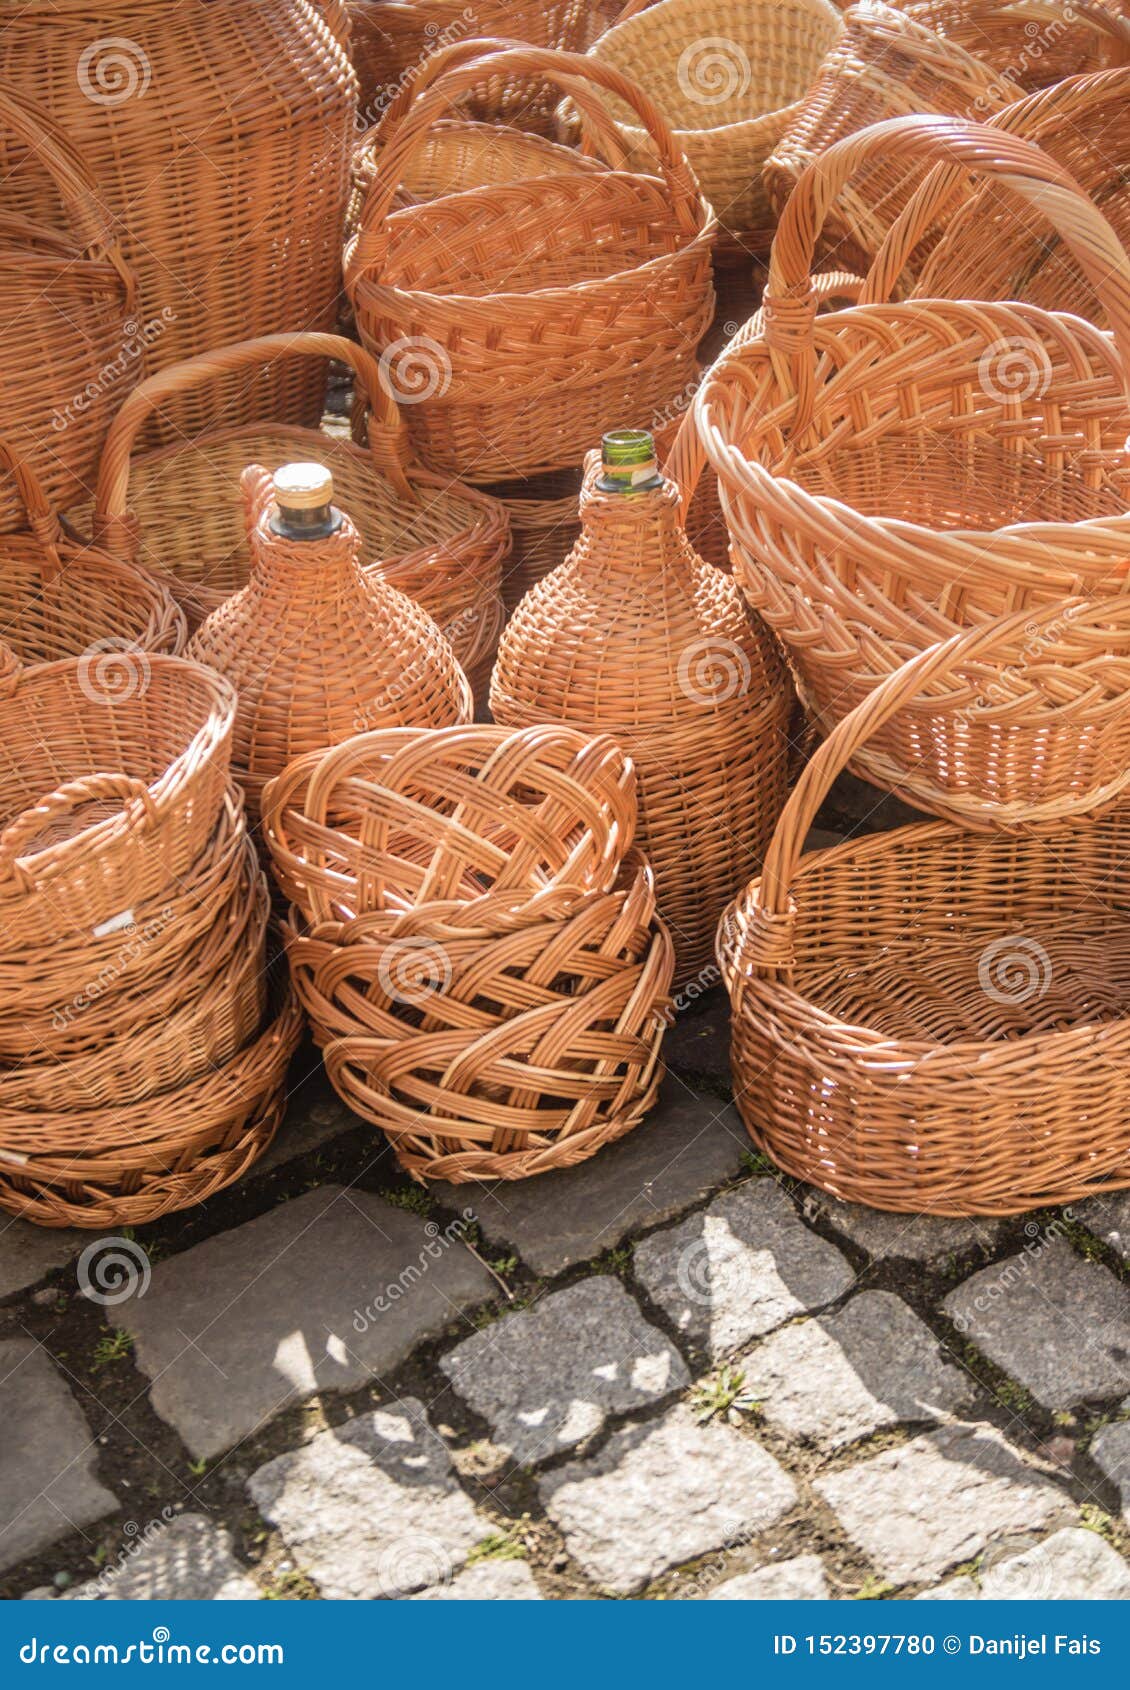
(799, 1580)
(1073, 1565)
(186, 1559)
(489, 1581)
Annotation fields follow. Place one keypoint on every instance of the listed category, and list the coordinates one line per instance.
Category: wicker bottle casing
(320, 649)
(635, 636)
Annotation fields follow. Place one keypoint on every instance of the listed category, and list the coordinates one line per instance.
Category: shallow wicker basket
(177, 510)
(551, 308)
(728, 75)
(500, 826)
(494, 1057)
(886, 480)
(934, 1021)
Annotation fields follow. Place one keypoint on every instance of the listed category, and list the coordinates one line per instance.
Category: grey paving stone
(320, 1294)
(315, 1116)
(1109, 1219)
(1110, 1450)
(28, 1253)
(839, 1377)
(686, 1148)
(48, 1486)
(661, 1494)
(960, 1589)
(698, 1040)
(185, 1559)
(372, 1508)
(939, 1500)
(489, 1581)
(739, 1268)
(909, 1238)
(548, 1377)
(1073, 1565)
(799, 1580)
(1057, 1323)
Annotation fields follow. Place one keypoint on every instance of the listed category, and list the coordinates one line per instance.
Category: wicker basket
(933, 1021)
(60, 599)
(886, 480)
(498, 827)
(177, 510)
(884, 65)
(319, 649)
(68, 335)
(550, 309)
(1035, 43)
(635, 636)
(728, 75)
(499, 1057)
(220, 135)
(544, 524)
(111, 783)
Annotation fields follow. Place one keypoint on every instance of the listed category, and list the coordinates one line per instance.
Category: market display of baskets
(1036, 43)
(954, 494)
(544, 523)
(552, 307)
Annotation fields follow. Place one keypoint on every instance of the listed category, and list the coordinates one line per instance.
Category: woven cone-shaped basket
(220, 137)
(319, 649)
(635, 636)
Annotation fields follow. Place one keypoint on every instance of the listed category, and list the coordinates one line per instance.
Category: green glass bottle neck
(628, 463)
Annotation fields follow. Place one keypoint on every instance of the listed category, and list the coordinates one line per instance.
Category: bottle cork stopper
(303, 487)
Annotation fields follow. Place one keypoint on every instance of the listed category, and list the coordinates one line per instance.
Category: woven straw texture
(932, 1021)
(177, 510)
(887, 478)
(635, 636)
(728, 76)
(220, 135)
(1035, 43)
(544, 524)
(319, 649)
(551, 308)
(68, 338)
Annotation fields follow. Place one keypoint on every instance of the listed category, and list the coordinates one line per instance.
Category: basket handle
(773, 907)
(41, 519)
(87, 789)
(79, 192)
(790, 301)
(403, 139)
(387, 435)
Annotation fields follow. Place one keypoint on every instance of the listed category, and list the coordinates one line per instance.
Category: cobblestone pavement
(667, 1373)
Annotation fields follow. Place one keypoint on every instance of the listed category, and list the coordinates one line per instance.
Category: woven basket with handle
(936, 1021)
(1035, 43)
(891, 473)
(551, 308)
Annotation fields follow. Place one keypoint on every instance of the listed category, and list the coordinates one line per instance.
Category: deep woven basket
(499, 827)
(494, 1057)
(933, 1021)
(550, 308)
(177, 511)
(887, 479)
(220, 135)
(69, 338)
(1035, 43)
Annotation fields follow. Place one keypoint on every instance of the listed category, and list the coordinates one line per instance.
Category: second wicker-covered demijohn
(635, 636)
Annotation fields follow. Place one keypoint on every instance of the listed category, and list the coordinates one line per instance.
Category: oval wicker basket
(495, 1057)
(62, 599)
(111, 783)
(541, 332)
(728, 75)
(498, 826)
(955, 494)
(133, 1162)
(220, 135)
(68, 335)
(177, 510)
(933, 1021)
(319, 649)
